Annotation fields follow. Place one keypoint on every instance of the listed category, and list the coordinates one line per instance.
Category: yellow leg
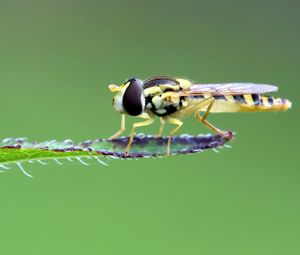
(176, 122)
(122, 128)
(149, 120)
(161, 128)
(209, 102)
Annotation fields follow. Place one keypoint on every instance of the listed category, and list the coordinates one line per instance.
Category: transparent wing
(230, 88)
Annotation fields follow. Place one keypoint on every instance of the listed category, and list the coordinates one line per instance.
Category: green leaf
(20, 150)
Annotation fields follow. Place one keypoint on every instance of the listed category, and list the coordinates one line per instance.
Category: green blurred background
(56, 60)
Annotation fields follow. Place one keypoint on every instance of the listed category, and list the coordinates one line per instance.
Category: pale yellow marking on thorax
(168, 86)
(184, 84)
(157, 101)
(170, 98)
(161, 111)
(152, 91)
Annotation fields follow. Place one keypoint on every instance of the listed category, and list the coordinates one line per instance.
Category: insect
(172, 99)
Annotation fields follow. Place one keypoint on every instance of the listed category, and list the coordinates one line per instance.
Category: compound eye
(132, 101)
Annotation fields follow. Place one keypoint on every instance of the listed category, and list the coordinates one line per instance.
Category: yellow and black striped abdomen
(245, 103)
(257, 102)
(254, 102)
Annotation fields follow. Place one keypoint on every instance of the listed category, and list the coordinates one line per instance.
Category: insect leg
(149, 120)
(161, 128)
(121, 130)
(209, 102)
(176, 122)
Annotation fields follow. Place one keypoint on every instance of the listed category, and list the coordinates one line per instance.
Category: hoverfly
(172, 99)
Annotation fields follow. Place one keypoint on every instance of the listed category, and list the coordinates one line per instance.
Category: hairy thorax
(163, 104)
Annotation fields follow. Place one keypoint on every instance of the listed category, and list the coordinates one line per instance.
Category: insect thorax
(160, 97)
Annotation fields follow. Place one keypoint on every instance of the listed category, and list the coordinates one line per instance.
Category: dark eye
(132, 102)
